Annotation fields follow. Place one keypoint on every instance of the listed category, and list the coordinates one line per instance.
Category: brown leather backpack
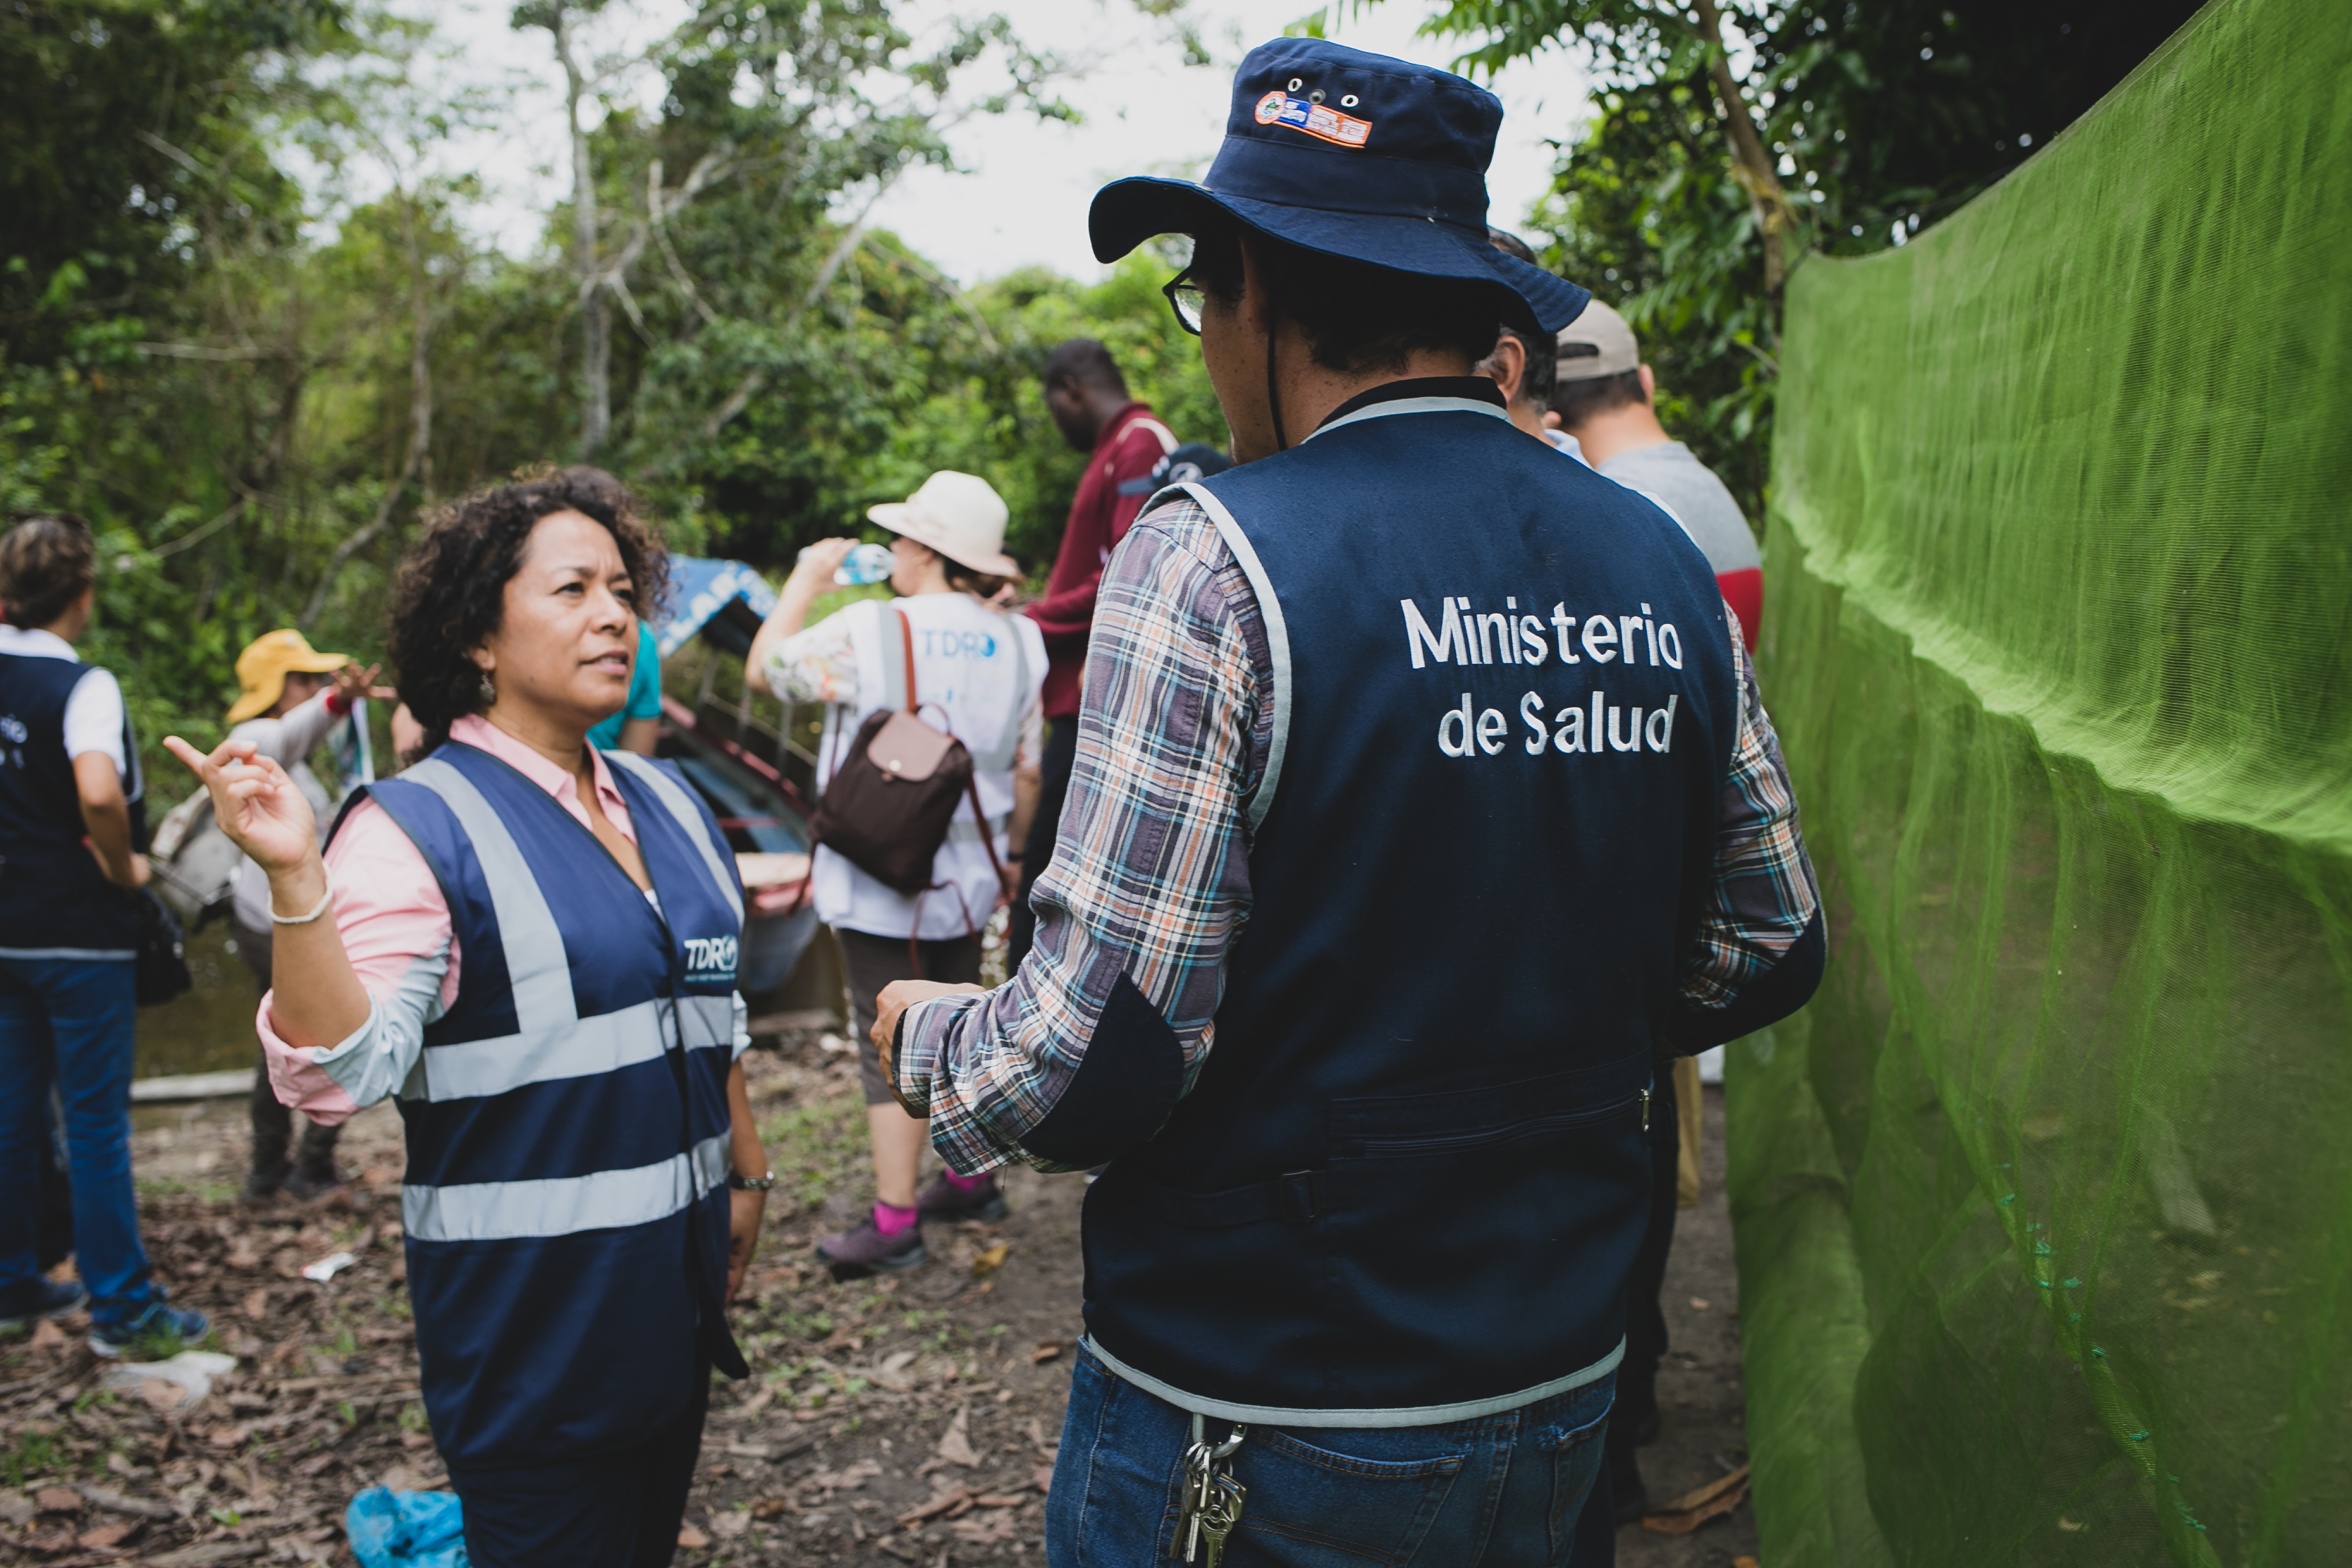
(887, 806)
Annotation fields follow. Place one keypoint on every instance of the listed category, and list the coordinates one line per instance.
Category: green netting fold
(2045, 1206)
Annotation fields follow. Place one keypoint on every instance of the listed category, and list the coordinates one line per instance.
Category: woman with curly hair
(532, 945)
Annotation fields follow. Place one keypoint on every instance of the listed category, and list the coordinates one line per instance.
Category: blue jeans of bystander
(1518, 1490)
(71, 1022)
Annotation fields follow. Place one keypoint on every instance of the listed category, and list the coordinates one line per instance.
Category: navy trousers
(618, 1511)
(1525, 1488)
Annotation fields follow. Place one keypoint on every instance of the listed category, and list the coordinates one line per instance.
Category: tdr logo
(710, 960)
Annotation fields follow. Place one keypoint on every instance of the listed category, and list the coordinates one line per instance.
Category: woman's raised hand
(820, 561)
(254, 802)
(352, 683)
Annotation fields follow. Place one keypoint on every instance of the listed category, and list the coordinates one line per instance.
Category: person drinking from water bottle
(979, 675)
(532, 944)
(1421, 795)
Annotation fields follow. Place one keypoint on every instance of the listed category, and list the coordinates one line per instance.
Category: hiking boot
(854, 1253)
(154, 1329)
(262, 1183)
(28, 1303)
(309, 1181)
(943, 1199)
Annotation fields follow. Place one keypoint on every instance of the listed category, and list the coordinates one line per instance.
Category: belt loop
(1294, 1197)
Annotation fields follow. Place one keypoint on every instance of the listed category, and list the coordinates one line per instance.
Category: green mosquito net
(2044, 1204)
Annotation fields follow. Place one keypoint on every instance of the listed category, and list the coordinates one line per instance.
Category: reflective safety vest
(1410, 1179)
(565, 1201)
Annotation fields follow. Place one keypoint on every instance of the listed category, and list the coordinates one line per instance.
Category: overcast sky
(1020, 197)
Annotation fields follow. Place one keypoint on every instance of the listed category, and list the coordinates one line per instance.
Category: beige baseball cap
(1597, 343)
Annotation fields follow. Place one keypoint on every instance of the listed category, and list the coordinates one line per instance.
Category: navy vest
(1410, 1179)
(565, 1201)
(54, 902)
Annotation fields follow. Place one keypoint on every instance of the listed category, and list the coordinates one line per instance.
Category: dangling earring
(487, 693)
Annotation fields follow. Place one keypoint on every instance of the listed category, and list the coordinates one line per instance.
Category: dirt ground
(911, 1419)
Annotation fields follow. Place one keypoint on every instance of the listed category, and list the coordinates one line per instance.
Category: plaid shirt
(1150, 873)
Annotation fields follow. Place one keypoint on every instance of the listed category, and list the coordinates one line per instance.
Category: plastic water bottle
(865, 564)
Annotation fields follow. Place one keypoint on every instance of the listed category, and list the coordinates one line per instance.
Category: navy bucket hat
(1356, 155)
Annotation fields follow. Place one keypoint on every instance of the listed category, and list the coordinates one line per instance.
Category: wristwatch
(751, 1183)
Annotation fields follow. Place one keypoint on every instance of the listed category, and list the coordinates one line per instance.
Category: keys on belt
(1211, 1505)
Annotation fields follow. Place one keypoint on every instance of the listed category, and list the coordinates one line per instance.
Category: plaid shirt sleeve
(1764, 894)
(1151, 870)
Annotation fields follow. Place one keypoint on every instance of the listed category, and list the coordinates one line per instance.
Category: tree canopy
(253, 386)
(1833, 125)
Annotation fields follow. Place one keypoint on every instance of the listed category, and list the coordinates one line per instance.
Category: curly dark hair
(450, 592)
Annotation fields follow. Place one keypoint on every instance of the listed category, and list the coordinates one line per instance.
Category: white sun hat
(959, 515)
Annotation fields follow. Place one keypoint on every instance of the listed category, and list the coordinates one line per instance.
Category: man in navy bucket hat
(1422, 796)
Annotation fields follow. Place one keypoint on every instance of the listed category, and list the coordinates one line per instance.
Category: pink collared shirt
(395, 927)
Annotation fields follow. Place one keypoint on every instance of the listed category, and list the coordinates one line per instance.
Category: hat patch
(1317, 120)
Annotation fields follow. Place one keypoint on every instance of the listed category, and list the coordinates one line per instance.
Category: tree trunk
(596, 317)
(419, 465)
(1751, 163)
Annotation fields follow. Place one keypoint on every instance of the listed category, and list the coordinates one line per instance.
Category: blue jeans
(1514, 1491)
(71, 1023)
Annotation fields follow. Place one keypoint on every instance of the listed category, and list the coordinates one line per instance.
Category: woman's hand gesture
(352, 683)
(255, 803)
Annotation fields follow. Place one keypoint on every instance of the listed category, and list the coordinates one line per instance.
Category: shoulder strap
(907, 650)
(999, 756)
(1167, 438)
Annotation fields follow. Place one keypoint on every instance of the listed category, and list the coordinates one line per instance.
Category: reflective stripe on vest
(608, 1200)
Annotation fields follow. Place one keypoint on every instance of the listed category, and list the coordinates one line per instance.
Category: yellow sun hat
(267, 660)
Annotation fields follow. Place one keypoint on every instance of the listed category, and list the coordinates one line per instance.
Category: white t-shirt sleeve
(94, 720)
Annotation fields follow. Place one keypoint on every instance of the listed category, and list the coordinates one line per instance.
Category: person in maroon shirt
(1089, 400)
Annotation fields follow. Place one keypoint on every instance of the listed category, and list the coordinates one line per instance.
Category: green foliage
(254, 390)
(1882, 117)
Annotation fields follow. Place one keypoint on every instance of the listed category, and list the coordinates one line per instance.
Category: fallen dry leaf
(1698, 1303)
(1693, 1509)
(1746, 1562)
(989, 1262)
(1044, 1475)
(257, 1302)
(769, 1508)
(50, 1543)
(729, 1524)
(161, 1395)
(1046, 1351)
(58, 1499)
(48, 1337)
(106, 1535)
(691, 1539)
(947, 1502)
(955, 1443)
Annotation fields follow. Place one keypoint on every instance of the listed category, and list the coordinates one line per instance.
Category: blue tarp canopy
(726, 597)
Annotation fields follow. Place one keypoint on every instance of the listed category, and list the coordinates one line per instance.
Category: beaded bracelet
(320, 908)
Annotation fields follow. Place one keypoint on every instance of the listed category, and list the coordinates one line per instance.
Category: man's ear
(1649, 385)
(1507, 365)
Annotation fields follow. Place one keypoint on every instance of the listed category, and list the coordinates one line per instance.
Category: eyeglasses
(1186, 298)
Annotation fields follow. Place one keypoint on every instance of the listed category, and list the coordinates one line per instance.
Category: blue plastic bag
(406, 1530)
